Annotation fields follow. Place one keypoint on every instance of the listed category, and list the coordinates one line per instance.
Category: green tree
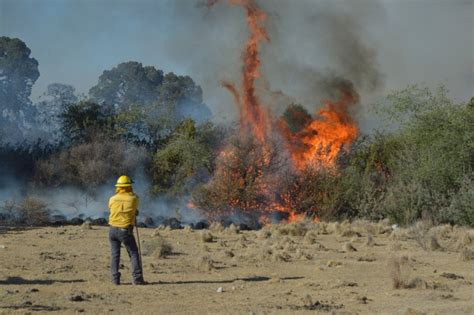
(18, 73)
(83, 121)
(186, 160)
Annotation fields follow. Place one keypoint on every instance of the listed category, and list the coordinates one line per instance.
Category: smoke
(73, 202)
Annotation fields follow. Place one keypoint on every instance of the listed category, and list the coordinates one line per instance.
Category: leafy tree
(18, 73)
(165, 99)
(186, 160)
(55, 100)
(84, 120)
(126, 84)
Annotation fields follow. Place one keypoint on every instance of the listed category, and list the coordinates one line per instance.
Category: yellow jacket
(123, 209)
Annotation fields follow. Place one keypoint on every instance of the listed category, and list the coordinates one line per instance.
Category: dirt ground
(339, 268)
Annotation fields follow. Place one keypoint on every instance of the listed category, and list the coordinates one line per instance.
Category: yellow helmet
(124, 181)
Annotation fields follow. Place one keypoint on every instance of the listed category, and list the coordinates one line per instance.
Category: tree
(81, 122)
(165, 99)
(55, 100)
(186, 160)
(18, 73)
(126, 84)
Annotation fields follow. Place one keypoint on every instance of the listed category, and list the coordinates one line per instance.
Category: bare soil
(286, 269)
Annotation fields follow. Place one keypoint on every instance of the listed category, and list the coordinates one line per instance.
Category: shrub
(88, 165)
(29, 211)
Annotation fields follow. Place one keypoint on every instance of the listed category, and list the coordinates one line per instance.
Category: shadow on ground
(20, 280)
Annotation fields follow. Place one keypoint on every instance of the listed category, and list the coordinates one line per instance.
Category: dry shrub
(442, 231)
(293, 229)
(300, 254)
(399, 235)
(333, 228)
(399, 271)
(29, 211)
(232, 229)
(157, 247)
(310, 238)
(348, 232)
(348, 247)
(205, 263)
(281, 256)
(433, 243)
(370, 240)
(207, 236)
(216, 227)
(90, 164)
(87, 225)
(264, 234)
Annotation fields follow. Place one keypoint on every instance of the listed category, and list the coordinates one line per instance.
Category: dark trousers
(117, 237)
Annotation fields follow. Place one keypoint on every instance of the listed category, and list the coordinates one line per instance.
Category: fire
(320, 141)
(245, 179)
(253, 117)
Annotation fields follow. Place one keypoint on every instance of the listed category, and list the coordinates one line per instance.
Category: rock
(141, 225)
(32, 290)
(173, 223)
(99, 221)
(149, 222)
(76, 221)
(220, 290)
(2, 247)
(201, 225)
(58, 220)
(76, 298)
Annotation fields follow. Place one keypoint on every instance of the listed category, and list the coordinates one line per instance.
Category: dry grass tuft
(205, 263)
(310, 238)
(370, 240)
(157, 247)
(207, 236)
(399, 271)
(399, 235)
(348, 247)
(264, 234)
(434, 244)
(232, 229)
(216, 227)
(87, 225)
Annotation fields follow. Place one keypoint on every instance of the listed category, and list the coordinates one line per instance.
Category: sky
(409, 41)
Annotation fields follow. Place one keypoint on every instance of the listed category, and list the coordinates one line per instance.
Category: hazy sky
(415, 41)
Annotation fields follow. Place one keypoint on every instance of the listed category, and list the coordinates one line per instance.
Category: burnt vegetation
(138, 118)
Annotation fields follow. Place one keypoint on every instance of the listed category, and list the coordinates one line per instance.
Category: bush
(30, 211)
(90, 164)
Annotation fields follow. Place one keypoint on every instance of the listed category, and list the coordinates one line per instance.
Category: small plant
(399, 271)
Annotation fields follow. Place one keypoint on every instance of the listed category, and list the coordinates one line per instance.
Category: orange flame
(253, 117)
(319, 143)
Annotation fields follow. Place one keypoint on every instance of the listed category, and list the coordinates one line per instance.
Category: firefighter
(123, 208)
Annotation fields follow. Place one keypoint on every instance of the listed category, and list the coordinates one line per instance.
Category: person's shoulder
(113, 197)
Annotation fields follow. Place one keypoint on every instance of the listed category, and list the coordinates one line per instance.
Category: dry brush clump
(207, 237)
(205, 263)
(157, 247)
(399, 271)
(29, 211)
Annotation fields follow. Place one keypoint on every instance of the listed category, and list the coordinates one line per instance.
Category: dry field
(338, 268)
